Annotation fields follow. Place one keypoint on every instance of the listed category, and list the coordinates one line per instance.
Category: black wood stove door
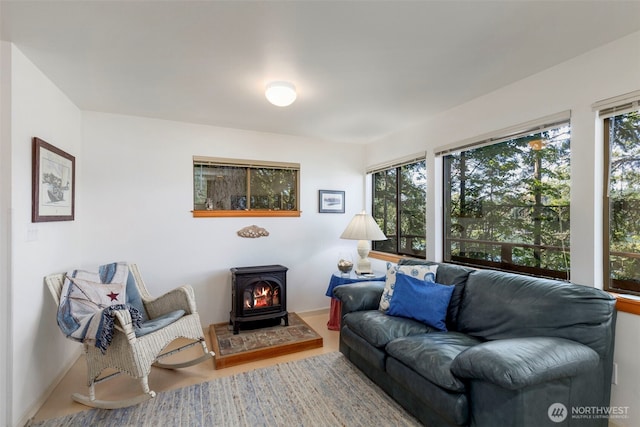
(258, 293)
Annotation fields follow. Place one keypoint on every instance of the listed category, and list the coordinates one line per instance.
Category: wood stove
(258, 293)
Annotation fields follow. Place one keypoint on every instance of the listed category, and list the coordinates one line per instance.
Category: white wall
(576, 84)
(138, 176)
(39, 351)
(5, 232)
(627, 391)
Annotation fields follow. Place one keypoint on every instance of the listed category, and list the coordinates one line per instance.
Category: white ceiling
(363, 69)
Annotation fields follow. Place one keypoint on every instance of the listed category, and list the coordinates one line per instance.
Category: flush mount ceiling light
(280, 94)
(537, 144)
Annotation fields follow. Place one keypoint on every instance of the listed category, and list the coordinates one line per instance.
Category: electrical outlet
(614, 374)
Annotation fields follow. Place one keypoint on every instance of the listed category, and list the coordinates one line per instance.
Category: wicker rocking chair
(133, 350)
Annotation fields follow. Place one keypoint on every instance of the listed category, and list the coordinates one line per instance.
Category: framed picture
(53, 183)
(330, 201)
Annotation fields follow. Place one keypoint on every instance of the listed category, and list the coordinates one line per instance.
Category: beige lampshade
(363, 227)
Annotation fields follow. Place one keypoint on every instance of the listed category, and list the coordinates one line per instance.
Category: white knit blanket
(88, 301)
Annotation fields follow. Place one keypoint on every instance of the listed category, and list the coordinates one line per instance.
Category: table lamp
(364, 229)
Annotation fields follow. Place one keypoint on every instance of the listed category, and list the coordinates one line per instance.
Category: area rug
(261, 342)
(324, 390)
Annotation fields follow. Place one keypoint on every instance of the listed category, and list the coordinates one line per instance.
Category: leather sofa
(518, 350)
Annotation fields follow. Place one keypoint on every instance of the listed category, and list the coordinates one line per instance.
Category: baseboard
(49, 390)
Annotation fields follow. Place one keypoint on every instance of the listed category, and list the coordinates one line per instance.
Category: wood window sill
(628, 305)
(244, 214)
(388, 257)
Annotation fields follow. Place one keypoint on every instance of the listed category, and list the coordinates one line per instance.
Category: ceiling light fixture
(280, 94)
(537, 144)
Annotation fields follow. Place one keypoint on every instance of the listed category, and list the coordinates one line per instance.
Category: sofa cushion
(423, 301)
(498, 305)
(447, 274)
(422, 272)
(520, 362)
(431, 355)
(378, 328)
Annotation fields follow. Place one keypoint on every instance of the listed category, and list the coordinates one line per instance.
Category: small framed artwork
(330, 201)
(53, 183)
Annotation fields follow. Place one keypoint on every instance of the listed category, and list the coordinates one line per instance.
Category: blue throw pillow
(423, 301)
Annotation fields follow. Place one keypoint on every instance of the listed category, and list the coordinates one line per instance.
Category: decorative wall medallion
(253, 231)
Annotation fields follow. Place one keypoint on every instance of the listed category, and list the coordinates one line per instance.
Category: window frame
(248, 165)
(608, 282)
(397, 166)
(517, 132)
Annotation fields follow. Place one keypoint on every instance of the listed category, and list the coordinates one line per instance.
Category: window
(622, 200)
(229, 187)
(506, 202)
(399, 208)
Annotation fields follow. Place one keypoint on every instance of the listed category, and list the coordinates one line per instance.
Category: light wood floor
(60, 402)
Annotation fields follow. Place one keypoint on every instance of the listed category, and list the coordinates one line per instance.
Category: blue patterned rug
(325, 390)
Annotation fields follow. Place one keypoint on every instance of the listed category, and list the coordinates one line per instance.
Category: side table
(338, 279)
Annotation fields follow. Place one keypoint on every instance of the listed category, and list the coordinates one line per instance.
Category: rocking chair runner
(133, 351)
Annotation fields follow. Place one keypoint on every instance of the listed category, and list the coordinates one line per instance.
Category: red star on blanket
(113, 296)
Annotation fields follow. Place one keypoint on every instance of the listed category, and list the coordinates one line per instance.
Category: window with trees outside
(231, 187)
(399, 208)
(622, 199)
(506, 202)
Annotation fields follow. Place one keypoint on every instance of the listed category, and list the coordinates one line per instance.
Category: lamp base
(364, 265)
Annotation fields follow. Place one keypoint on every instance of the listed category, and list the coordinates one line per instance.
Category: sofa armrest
(516, 363)
(359, 296)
